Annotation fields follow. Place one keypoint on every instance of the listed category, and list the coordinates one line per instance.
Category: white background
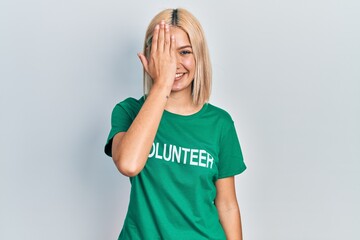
(287, 71)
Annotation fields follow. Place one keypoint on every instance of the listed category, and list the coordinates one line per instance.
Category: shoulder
(219, 113)
(130, 105)
(222, 120)
(131, 102)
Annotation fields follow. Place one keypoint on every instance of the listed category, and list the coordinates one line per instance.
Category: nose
(178, 61)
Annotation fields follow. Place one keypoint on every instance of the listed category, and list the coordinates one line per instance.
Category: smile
(179, 75)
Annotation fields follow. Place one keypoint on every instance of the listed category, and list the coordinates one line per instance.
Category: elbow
(127, 169)
(128, 172)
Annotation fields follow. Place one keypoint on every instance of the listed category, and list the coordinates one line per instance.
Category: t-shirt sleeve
(231, 160)
(120, 122)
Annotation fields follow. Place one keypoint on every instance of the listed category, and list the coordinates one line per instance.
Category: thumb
(144, 61)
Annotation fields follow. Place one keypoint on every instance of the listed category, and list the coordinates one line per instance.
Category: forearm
(131, 153)
(131, 149)
(231, 222)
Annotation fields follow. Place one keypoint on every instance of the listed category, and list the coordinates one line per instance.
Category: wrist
(161, 88)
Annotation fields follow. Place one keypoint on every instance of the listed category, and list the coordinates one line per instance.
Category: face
(185, 70)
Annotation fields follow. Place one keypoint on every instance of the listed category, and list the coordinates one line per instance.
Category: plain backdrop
(287, 71)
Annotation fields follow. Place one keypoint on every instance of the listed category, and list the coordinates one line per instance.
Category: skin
(171, 53)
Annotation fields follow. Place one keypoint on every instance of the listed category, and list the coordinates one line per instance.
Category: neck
(182, 104)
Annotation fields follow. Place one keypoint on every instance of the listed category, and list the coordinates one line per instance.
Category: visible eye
(184, 52)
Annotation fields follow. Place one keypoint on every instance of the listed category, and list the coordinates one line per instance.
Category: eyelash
(185, 52)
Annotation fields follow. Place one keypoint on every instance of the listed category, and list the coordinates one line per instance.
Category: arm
(130, 149)
(228, 209)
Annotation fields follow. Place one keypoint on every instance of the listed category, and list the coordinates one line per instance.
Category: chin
(180, 87)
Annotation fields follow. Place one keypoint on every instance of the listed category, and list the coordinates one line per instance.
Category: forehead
(181, 37)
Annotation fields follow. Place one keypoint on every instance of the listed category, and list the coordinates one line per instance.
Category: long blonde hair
(181, 18)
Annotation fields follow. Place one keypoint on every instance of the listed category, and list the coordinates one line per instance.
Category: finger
(167, 38)
(144, 61)
(160, 45)
(154, 42)
(173, 46)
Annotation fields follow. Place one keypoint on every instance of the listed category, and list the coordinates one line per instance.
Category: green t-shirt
(173, 196)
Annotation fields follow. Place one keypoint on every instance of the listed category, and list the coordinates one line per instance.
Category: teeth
(179, 75)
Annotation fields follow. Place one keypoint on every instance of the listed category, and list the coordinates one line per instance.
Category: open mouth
(178, 76)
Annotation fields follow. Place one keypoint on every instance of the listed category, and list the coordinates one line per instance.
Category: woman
(180, 152)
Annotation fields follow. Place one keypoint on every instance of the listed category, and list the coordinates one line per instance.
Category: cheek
(189, 64)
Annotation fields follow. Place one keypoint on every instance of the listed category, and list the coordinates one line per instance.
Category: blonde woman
(180, 152)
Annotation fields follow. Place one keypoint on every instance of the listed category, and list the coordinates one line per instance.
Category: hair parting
(174, 17)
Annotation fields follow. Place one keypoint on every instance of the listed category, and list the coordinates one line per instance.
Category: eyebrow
(187, 46)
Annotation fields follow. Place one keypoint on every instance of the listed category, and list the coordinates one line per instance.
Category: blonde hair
(181, 18)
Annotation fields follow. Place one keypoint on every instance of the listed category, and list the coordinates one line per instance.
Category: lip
(182, 75)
